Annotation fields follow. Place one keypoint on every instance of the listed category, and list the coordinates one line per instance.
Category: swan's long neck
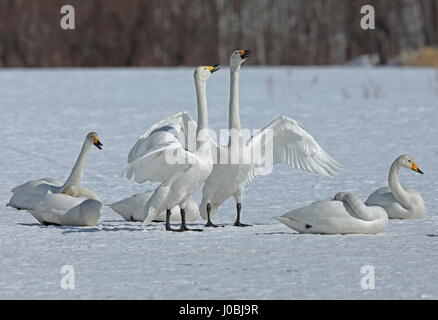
(234, 113)
(77, 172)
(359, 207)
(201, 88)
(397, 190)
(202, 133)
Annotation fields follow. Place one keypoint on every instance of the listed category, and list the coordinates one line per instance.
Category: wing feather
(293, 145)
(147, 159)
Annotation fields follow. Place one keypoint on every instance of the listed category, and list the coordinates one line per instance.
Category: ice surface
(363, 117)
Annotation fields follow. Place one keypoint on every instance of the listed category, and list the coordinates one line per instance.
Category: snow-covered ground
(363, 117)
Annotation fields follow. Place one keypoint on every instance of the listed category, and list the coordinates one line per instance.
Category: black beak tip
(216, 67)
(420, 172)
(247, 54)
(98, 145)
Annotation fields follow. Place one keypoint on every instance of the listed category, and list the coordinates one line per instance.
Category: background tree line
(191, 32)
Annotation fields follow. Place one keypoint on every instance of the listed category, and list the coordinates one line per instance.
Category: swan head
(93, 138)
(238, 57)
(204, 72)
(407, 162)
(340, 196)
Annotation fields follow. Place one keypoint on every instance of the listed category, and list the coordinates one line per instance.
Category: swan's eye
(409, 161)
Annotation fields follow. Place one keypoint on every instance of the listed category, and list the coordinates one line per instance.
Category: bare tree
(191, 32)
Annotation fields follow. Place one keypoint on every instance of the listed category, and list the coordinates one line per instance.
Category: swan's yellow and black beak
(214, 68)
(97, 143)
(415, 168)
(245, 53)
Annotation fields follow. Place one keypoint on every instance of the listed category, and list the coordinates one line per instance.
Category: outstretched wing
(180, 124)
(284, 140)
(173, 138)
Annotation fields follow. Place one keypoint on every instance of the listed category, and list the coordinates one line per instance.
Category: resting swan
(399, 203)
(290, 144)
(47, 199)
(344, 215)
(63, 210)
(132, 209)
(148, 161)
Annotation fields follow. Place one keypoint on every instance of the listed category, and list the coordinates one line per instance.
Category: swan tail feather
(12, 205)
(151, 214)
(298, 226)
(280, 219)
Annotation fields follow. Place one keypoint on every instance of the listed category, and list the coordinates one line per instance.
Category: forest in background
(192, 32)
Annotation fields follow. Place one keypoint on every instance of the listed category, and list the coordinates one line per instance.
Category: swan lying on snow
(54, 202)
(63, 210)
(399, 203)
(343, 215)
(347, 214)
(132, 209)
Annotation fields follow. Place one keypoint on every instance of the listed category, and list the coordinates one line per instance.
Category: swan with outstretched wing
(146, 160)
(282, 141)
(177, 137)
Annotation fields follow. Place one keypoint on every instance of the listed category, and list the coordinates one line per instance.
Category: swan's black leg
(184, 224)
(238, 223)
(168, 227)
(209, 223)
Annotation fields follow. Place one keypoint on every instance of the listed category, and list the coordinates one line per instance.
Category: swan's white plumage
(132, 209)
(27, 194)
(384, 198)
(66, 210)
(398, 201)
(182, 122)
(61, 203)
(146, 160)
(334, 217)
(293, 145)
(41, 198)
(177, 135)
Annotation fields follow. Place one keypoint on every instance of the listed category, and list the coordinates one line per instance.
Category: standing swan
(343, 215)
(54, 202)
(399, 203)
(290, 144)
(149, 158)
